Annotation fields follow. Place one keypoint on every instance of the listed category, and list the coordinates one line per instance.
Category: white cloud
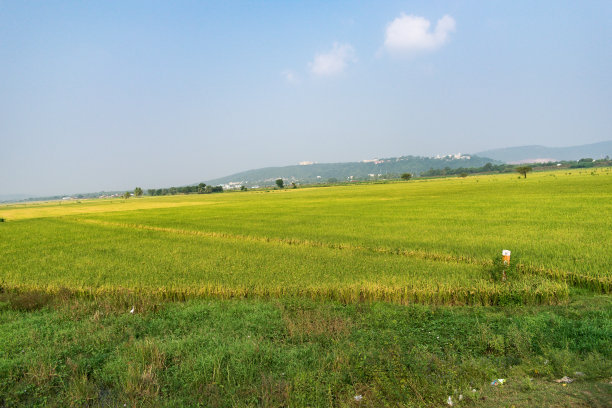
(333, 62)
(412, 33)
(290, 76)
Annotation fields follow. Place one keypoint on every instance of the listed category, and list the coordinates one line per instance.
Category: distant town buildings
(233, 185)
(458, 156)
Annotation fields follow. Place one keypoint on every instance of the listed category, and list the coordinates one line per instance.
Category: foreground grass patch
(302, 353)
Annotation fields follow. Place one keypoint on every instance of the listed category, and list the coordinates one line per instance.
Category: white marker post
(506, 260)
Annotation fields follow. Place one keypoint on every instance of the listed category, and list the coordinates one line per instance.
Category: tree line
(487, 168)
(199, 189)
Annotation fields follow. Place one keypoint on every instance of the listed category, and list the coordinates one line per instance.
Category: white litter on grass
(449, 401)
(565, 380)
(132, 311)
(460, 397)
(358, 397)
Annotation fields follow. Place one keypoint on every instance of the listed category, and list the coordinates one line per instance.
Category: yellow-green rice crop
(427, 241)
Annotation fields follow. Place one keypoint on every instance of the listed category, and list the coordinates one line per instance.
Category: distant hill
(7, 198)
(531, 154)
(363, 170)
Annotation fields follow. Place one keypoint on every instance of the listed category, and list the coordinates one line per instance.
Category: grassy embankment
(85, 264)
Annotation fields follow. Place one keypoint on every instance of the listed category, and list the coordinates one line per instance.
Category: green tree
(127, 195)
(138, 192)
(280, 183)
(406, 176)
(523, 170)
(201, 188)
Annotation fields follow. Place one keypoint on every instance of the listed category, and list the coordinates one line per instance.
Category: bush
(497, 269)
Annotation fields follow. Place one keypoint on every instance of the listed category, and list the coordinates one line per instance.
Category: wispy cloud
(333, 62)
(290, 76)
(409, 33)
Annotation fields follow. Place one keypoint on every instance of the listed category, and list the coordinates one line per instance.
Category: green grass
(303, 353)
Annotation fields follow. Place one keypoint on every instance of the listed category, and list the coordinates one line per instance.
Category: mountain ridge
(539, 153)
(366, 169)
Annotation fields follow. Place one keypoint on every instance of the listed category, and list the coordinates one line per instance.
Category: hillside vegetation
(365, 170)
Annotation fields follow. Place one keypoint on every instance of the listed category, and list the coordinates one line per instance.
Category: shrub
(498, 267)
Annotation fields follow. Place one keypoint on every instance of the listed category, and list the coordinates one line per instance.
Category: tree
(201, 188)
(406, 176)
(279, 183)
(137, 191)
(127, 195)
(523, 170)
(243, 188)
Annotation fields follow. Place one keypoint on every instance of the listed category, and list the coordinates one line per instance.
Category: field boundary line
(599, 284)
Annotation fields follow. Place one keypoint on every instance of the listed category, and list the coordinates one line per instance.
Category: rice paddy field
(429, 241)
(309, 268)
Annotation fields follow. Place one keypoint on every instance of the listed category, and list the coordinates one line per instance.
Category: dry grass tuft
(303, 324)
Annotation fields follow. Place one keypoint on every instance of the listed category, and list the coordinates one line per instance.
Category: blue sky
(112, 95)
